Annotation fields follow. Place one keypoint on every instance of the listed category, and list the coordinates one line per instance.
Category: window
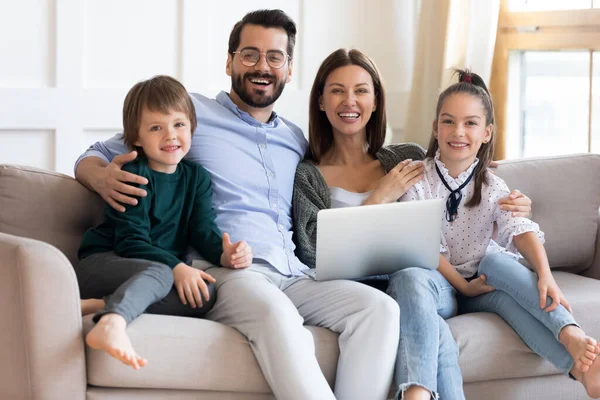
(546, 77)
(551, 5)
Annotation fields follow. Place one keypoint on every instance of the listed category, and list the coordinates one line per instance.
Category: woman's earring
(322, 108)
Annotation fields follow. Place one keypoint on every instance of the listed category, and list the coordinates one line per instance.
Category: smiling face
(461, 129)
(261, 85)
(348, 100)
(165, 138)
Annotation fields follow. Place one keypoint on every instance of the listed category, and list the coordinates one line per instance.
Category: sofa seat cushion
(490, 349)
(188, 353)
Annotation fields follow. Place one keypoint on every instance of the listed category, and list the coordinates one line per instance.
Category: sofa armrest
(41, 348)
(594, 270)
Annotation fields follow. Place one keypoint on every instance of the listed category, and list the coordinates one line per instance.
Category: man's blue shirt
(252, 167)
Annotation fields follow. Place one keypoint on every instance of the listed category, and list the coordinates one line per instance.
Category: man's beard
(257, 97)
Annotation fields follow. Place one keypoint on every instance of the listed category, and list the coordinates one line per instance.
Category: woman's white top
(467, 239)
(343, 198)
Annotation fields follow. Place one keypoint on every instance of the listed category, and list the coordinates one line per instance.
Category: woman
(347, 165)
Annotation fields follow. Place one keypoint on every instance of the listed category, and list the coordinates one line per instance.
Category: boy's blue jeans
(427, 354)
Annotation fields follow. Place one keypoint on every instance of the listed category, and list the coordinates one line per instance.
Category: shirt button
(274, 205)
(281, 227)
(263, 146)
(272, 175)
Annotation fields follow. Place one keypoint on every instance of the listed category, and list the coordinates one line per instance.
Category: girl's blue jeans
(427, 353)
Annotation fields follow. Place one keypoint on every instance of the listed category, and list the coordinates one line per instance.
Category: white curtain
(451, 34)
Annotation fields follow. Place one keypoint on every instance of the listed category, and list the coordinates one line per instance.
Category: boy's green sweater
(177, 212)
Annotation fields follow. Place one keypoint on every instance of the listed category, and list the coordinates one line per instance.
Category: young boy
(134, 258)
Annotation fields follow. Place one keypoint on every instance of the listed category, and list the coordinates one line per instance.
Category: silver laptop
(356, 242)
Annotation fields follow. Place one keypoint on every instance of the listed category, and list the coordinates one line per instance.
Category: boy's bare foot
(589, 379)
(91, 306)
(109, 335)
(581, 347)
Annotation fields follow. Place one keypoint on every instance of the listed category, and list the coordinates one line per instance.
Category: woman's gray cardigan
(311, 194)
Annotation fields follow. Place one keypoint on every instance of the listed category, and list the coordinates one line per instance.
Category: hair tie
(467, 78)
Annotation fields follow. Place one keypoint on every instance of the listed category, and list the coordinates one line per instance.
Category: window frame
(539, 30)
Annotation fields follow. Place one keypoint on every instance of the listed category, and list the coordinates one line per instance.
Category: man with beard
(251, 154)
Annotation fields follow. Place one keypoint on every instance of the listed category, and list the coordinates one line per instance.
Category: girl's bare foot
(91, 306)
(581, 347)
(589, 379)
(109, 335)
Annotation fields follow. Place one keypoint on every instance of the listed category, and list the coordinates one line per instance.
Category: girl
(486, 274)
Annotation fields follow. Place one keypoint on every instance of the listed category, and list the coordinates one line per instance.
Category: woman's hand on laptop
(235, 255)
(396, 182)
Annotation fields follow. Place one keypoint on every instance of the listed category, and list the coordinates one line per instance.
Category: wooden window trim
(550, 19)
(537, 30)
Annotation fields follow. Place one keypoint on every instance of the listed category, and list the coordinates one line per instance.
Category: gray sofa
(43, 356)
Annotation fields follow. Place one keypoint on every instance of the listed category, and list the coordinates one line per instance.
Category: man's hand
(235, 255)
(518, 203)
(190, 283)
(476, 287)
(112, 186)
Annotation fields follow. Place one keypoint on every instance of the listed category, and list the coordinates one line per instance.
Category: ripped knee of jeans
(406, 386)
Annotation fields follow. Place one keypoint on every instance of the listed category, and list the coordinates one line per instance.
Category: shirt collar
(224, 100)
(446, 174)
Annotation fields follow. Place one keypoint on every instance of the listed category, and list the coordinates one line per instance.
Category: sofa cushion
(490, 349)
(188, 353)
(47, 206)
(569, 220)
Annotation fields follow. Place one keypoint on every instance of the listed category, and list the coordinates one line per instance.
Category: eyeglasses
(275, 58)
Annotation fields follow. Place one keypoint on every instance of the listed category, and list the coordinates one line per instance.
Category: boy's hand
(235, 255)
(476, 287)
(189, 283)
(549, 288)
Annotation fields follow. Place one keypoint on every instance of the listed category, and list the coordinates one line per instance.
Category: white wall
(66, 65)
